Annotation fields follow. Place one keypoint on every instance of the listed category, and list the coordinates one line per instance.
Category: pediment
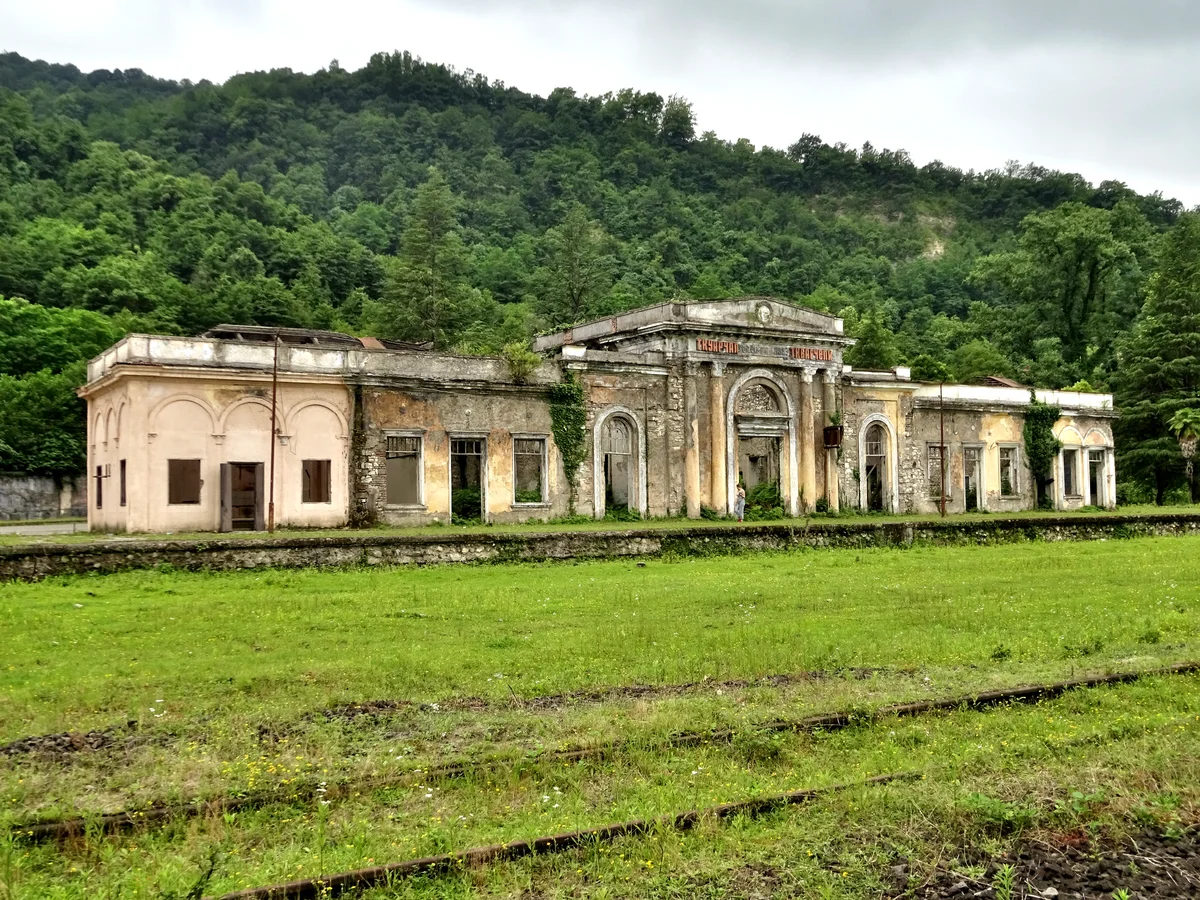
(761, 313)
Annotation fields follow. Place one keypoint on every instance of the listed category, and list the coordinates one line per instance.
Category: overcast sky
(1107, 88)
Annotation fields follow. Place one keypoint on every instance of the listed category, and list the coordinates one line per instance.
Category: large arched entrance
(762, 442)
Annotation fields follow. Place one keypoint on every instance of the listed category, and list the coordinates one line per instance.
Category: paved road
(55, 528)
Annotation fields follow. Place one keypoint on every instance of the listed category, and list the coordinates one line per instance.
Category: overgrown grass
(227, 675)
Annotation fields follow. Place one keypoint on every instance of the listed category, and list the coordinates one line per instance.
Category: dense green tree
(1075, 270)
(1159, 364)
(426, 296)
(876, 345)
(578, 269)
(926, 368)
(976, 360)
(43, 427)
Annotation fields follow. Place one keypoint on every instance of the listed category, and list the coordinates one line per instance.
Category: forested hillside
(409, 200)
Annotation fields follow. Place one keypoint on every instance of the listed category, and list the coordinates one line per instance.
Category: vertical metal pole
(274, 391)
(942, 454)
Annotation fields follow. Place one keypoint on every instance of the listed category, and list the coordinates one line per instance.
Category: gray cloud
(881, 30)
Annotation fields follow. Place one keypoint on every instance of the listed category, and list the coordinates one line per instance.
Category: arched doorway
(874, 468)
(761, 448)
(878, 490)
(619, 471)
(620, 465)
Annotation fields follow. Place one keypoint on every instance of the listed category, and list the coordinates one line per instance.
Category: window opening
(936, 467)
(316, 486)
(183, 481)
(122, 469)
(99, 487)
(529, 477)
(1009, 486)
(403, 471)
(971, 477)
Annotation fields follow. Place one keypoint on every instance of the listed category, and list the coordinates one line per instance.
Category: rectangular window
(122, 482)
(183, 481)
(403, 471)
(529, 470)
(1009, 486)
(935, 472)
(1070, 462)
(99, 487)
(316, 486)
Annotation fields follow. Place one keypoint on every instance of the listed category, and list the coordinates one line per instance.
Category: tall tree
(426, 296)
(578, 271)
(1071, 267)
(1159, 365)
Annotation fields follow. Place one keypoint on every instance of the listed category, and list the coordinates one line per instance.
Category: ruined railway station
(684, 401)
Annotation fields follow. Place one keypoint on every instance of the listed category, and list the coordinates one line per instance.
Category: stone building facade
(684, 401)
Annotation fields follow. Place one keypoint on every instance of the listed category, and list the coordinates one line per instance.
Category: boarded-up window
(122, 482)
(1009, 486)
(316, 487)
(938, 471)
(529, 480)
(403, 471)
(99, 487)
(183, 481)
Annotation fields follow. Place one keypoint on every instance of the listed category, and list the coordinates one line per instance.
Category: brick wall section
(47, 560)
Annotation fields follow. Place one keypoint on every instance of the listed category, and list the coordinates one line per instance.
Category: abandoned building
(684, 401)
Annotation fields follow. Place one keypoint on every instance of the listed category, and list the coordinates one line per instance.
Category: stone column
(829, 400)
(691, 444)
(718, 469)
(808, 443)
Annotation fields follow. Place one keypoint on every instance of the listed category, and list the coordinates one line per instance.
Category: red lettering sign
(818, 354)
(711, 346)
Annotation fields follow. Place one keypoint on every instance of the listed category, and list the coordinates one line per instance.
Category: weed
(1007, 817)
(1002, 881)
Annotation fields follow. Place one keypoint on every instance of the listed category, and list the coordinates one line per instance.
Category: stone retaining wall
(366, 549)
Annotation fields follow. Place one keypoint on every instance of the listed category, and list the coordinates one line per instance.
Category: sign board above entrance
(819, 354)
(711, 346)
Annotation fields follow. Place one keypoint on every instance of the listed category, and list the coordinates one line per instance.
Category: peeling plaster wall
(438, 417)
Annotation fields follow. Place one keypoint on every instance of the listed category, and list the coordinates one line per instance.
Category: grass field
(239, 683)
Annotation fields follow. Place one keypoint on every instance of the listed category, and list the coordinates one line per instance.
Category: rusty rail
(360, 879)
(55, 829)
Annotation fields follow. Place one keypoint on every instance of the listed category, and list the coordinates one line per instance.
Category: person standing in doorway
(739, 506)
